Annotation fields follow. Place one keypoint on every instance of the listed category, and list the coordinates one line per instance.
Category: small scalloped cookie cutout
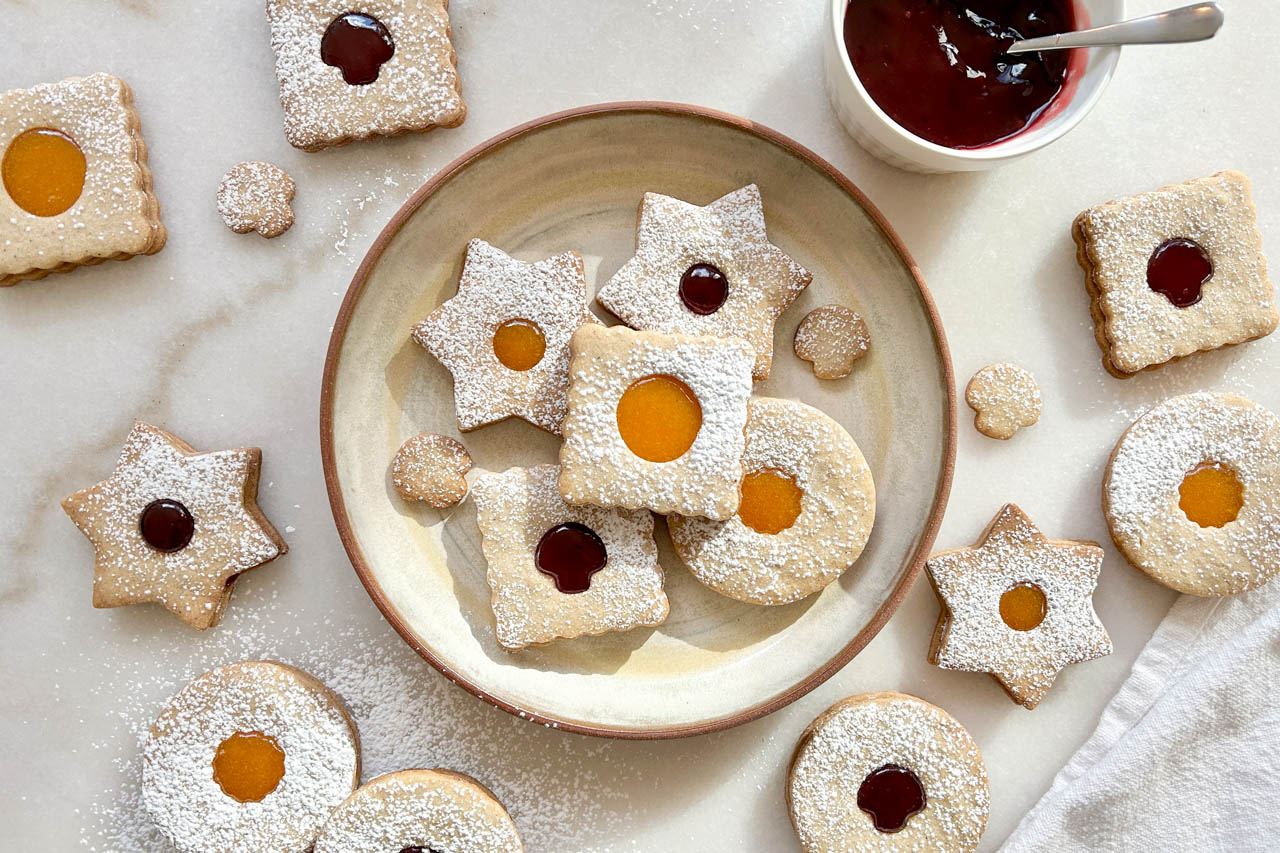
(1005, 397)
(832, 337)
(431, 468)
(255, 196)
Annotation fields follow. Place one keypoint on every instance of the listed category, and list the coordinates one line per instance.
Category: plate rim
(338, 336)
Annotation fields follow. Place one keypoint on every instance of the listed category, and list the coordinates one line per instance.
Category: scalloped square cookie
(1174, 272)
(562, 571)
(351, 72)
(656, 421)
(76, 187)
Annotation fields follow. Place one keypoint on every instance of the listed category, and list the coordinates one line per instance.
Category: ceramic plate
(574, 181)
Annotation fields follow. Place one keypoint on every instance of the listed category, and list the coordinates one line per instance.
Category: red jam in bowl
(939, 67)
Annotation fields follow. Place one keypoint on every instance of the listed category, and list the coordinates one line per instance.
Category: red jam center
(939, 67)
(166, 525)
(703, 289)
(1178, 268)
(357, 45)
(570, 554)
(891, 794)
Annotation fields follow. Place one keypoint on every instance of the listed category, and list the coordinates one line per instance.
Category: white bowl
(889, 141)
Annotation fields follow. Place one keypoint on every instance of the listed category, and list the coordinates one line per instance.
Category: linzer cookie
(1174, 272)
(355, 71)
(420, 810)
(655, 421)
(562, 571)
(249, 757)
(1192, 494)
(1018, 606)
(505, 336)
(175, 526)
(1004, 398)
(808, 503)
(77, 190)
(832, 337)
(431, 468)
(706, 271)
(887, 772)
(255, 196)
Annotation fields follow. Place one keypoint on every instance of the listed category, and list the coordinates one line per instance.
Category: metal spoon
(1190, 23)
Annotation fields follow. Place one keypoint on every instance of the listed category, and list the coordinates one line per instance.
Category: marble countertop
(221, 338)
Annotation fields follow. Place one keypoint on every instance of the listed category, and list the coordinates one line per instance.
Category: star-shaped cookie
(175, 526)
(706, 271)
(505, 336)
(1017, 605)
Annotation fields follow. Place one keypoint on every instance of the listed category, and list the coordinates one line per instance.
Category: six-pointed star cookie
(1017, 605)
(175, 526)
(505, 336)
(706, 271)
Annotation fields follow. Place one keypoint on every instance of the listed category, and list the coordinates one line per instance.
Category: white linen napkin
(1186, 757)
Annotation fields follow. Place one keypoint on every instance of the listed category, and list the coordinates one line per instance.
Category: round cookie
(251, 756)
(807, 510)
(887, 771)
(1150, 497)
(420, 810)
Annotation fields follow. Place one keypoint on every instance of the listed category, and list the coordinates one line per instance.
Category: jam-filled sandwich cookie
(1018, 606)
(1192, 494)
(706, 271)
(175, 526)
(431, 468)
(562, 571)
(255, 196)
(832, 338)
(655, 421)
(505, 336)
(249, 757)
(808, 502)
(1004, 398)
(1174, 272)
(356, 70)
(420, 811)
(884, 772)
(76, 187)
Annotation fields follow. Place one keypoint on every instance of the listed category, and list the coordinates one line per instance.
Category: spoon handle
(1190, 23)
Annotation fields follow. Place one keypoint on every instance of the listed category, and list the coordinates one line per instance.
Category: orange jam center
(659, 417)
(770, 500)
(519, 344)
(248, 766)
(43, 171)
(1211, 495)
(1022, 607)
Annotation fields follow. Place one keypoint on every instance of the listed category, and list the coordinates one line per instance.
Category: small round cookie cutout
(420, 810)
(808, 503)
(1192, 494)
(832, 338)
(256, 196)
(249, 757)
(431, 468)
(1004, 398)
(887, 771)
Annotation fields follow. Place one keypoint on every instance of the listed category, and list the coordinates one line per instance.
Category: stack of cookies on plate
(767, 500)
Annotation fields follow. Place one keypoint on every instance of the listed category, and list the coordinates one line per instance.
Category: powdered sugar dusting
(1141, 493)
(866, 732)
(836, 511)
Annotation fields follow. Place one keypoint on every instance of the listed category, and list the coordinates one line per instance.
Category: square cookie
(76, 187)
(561, 571)
(355, 71)
(1174, 272)
(656, 421)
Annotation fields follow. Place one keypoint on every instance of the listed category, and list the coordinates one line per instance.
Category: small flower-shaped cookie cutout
(832, 337)
(431, 468)
(255, 196)
(1005, 398)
